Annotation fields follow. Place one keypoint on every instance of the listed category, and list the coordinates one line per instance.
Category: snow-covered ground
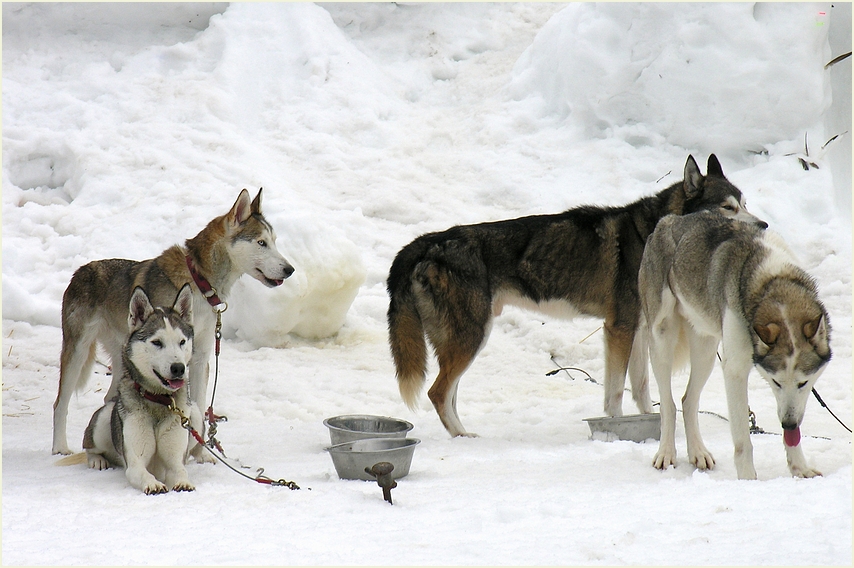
(126, 127)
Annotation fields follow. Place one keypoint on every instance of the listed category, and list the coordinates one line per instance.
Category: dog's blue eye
(262, 243)
(157, 343)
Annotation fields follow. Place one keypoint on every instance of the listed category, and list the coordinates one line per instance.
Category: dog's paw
(701, 458)
(664, 459)
(97, 461)
(204, 457)
(62, 451)
(805, 472)
(201, 455)
(183, 486)
(468, 435)
(155, 488)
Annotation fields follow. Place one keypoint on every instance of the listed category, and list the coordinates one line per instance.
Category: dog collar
(208, 291)
(164, 399)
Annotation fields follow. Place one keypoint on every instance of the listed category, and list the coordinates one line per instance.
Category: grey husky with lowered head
(705, 280)
(450, 285)
(140, 429)
(94, 306)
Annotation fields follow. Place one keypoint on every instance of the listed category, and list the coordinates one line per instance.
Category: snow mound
(716, 77)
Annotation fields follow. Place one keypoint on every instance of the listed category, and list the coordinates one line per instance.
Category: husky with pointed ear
(706, 279)
(94, 306)
(448, 287)
(140, 429)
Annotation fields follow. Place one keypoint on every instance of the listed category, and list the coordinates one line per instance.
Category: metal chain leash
(209, 413)
(259, 477)
(213, 445)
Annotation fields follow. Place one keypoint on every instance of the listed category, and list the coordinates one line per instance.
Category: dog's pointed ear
(184, 303)
(713, 168)
(817, 333)
(767, 333)
(139, 309)
(256, 203)
(692, 179)
(241, 210)
(816, 329)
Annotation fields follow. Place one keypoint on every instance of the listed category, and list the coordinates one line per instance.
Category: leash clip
(218, 305)
(185, 422)
(261, 478)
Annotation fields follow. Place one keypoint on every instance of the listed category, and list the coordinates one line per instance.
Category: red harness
(164, 399)
(207, 290)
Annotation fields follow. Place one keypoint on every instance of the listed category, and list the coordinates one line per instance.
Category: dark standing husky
(584, 261)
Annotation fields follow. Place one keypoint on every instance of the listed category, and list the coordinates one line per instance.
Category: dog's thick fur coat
(705, 280)
(95, 303)
(139, 429)
(450, 285)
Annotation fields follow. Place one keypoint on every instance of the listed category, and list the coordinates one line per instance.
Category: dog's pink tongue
(176, 383)
(792, 437)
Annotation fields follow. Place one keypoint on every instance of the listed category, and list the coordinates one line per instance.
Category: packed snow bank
(307, 61)
(716, 77)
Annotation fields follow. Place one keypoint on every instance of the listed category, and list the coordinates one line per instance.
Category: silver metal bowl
(634, 427)
(360, 426)
(351, 458)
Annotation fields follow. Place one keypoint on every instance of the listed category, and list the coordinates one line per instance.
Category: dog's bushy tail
(73, 459)
(406, 330)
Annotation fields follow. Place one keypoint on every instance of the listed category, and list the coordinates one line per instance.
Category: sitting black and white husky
(140, 428)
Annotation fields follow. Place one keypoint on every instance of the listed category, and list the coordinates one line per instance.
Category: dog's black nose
(288, 270)
(762, 225)
(177, 370)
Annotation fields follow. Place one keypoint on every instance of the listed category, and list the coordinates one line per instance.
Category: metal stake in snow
(382, 471)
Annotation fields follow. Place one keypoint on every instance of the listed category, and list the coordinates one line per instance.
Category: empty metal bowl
(360, 426)
(351, 458)
(634, 427)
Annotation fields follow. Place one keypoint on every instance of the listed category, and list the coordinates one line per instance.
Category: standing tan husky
(705, 280)
(94, 306)
(584, 261)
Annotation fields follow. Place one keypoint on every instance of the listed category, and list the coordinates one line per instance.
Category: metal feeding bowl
(634, 427)
(360, 426)
(352, 458)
